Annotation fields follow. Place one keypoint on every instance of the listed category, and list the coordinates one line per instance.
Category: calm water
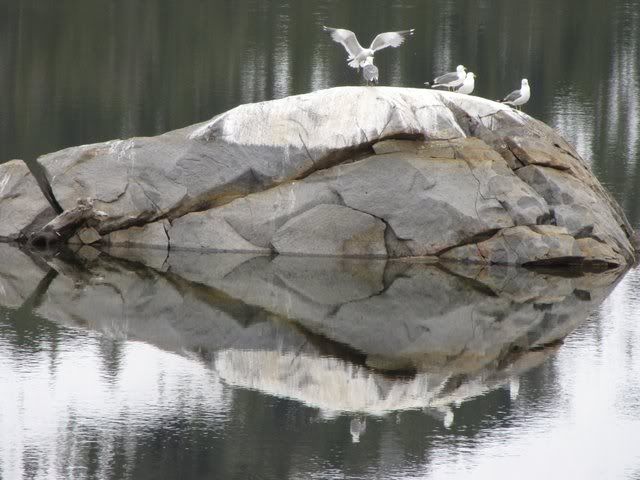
(135, 365)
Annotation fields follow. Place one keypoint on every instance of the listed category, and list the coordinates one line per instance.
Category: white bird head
(368, 61)
(471, 75)
(461, 68)
(525, 82)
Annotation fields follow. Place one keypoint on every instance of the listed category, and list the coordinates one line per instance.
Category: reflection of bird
(357, 427)
(517, 98)
(444, 413)
(468, 85)
(357, 54)
(449, 80)
(448, 418)
(514, 388)
(370, 71)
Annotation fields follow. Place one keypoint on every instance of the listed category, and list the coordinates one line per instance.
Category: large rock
(23, 207)
(439, 170)
(413, 187)
(250, 148)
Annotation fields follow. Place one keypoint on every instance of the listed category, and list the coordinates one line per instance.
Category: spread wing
(512, 97)
(446, 78)
(347, 38)
(390, 39)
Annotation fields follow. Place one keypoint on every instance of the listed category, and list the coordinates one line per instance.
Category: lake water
(135, 364)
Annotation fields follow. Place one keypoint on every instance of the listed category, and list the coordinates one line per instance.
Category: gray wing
(446, 78)
(390, 39)
(512, 97)
(347, 38)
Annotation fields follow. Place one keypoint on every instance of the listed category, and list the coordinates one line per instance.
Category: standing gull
(449, 80)
(370, 71)
(517, 98)
(468, 85)
(358, 55)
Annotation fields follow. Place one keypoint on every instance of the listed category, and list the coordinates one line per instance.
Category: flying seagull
(370, 71)
(449, 80)
(517, 98)
(357, 54)
(468, 85)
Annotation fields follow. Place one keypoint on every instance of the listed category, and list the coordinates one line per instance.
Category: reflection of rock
(324, 382)
(19, 276)
(125, 300)
(338, 334)
(414, 316)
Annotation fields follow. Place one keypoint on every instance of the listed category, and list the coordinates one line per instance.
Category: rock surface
(23, 207)
(525, 245)
(331, 230)
(349, 171)
(151, 235)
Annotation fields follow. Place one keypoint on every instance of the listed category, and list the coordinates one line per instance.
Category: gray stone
(249, 179)
(254, 218)
(87, 236)
(152, 235)
(430, 205)
(250, 148)
(416, 192)
(538, 151)
(522, 245)
(332, 230)
(208, 231)
(23, 207)
(576, 206)
(594, 251)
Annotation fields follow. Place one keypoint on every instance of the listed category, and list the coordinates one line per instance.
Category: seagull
(370, 71)
(357, 54)
(449, 80)
(517, 98)
(468, 85)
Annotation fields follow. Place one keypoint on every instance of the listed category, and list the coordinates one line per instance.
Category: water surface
(130, 364)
